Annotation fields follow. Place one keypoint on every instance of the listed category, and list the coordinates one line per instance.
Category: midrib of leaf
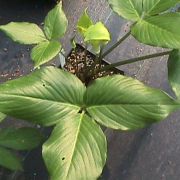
(126, 104)
(30, 34)
(74, 147)
(43, 52)
(154, 6)
(54, 22)
(134, 8)
(83, 29)
(144, 20)
(53, 101)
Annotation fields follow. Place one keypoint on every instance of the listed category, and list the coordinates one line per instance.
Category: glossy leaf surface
(44, 52)
(162, 31)
(97, 32)
(84, 23)
(44, 97)
(128, 9)
(23, 32)
(97, 35)
(135, 10)
(174, 71)
(55, 23)
(153, 7)
(20, 139)
(76, 149)
(123, 103)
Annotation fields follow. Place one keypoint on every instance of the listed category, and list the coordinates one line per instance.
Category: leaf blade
(73, 146)
(44, 97)
(97, 32)
(9, 160)
(97, 35)
(20, 139)
(2, 117)
(129, 9)
(84, 23)
(123, 103)
(159, 31)
(153, 7)
(23, 32)
(44, 52)
(55, 23)
(173, 71)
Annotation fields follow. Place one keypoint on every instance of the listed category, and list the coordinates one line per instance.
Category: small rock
(5, 49)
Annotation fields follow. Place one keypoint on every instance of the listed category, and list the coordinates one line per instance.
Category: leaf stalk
(133, 60)
(116, 44)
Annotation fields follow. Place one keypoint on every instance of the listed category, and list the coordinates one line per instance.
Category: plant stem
(76, 63)
(85, 62)
(116, 44)
(97, 61)
(85, 58)
(128, 61)
(94, 64)
(100, 57)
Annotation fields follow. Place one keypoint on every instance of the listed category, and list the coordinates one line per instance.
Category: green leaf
(134, 10)
(97, 35)
(121, 102)
(55, 23)
(173, 71)
(97, 32)
(23, 32)
(44, 52)
(2, 117)
(20, 139)
(9, 160)
(76, 149)
(84, 23)
(162, 31)
(153, 7)
(128, 9)
(45, 96)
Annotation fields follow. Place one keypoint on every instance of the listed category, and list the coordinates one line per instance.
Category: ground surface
(149, 154)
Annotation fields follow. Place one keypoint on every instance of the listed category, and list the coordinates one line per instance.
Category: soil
(81, 63)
